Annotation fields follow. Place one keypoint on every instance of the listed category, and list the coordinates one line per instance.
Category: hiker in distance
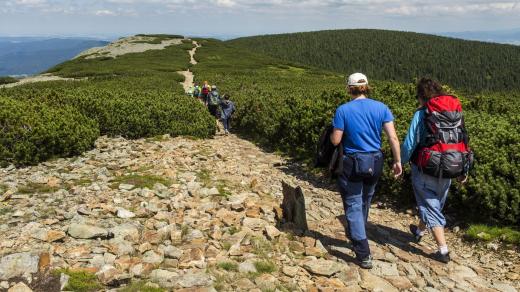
(227, 108)
(437, 146)
(195, 90)
(358, 125)
(213, 102)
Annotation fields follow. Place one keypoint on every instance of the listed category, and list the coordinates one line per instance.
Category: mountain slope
(400, 56)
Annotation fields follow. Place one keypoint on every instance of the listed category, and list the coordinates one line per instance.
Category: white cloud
(226, 3)
(30, 2)
(105, 12)
(410, 8)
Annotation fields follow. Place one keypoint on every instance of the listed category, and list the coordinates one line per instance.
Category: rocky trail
(199, 215)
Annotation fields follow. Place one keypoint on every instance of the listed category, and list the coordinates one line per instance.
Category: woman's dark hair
(359, 90)
(428, 88)
(226, 96)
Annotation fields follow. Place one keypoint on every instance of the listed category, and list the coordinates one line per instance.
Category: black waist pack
(364, 165)
(360, 166)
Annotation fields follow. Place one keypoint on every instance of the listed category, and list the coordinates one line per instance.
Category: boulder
(18, 264)
(322, 267)
(20, 287)
(84, 231)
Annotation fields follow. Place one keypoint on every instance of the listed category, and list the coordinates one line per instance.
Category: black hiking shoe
(365, 263)
(443, 258)
(413, 229)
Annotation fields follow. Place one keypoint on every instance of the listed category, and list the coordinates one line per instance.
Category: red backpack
(445, 151)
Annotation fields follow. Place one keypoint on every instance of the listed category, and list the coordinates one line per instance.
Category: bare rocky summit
(204, 215)
(128, 45)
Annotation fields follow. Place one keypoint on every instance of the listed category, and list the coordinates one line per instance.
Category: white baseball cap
(357, 79)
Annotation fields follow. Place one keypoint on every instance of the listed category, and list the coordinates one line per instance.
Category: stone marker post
(293, 206)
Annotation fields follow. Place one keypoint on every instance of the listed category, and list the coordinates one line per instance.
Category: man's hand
(398, 169)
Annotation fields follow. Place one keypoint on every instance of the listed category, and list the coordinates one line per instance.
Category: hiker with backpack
(227, 108)
(437, 147)
(358, 125)
(205, 92)
(213, 101)
(196, 90)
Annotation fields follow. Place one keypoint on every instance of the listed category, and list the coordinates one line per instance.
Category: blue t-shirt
(362, 121)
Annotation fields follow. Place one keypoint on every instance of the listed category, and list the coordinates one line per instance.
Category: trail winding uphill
(204, 215)
(188, 75)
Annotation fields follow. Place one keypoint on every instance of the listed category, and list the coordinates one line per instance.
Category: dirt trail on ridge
(188, 75)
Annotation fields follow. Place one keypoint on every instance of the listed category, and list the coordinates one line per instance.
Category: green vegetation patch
(32, 188)
(141, 181)
(32, 132)
(204, 176)
(493, 233)
(5, 210)
(80, 281)
(265, 267)
(7, 80)
(228, 266)
(223, 188)
(262, 247)
(140, 286)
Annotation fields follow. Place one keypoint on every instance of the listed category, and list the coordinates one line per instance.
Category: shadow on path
(386, 236)
(380, 234)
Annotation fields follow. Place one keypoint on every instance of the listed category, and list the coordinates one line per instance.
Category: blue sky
(249, 17)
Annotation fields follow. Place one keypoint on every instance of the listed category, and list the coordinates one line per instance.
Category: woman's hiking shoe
(365, 263)
(443, 258)
(415, 232)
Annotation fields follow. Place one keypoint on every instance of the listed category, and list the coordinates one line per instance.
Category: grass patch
(223, 189)
(492, 233)
(32, 188)
(232, 230)
(140, 286)
(261, 247)
(80, 281)
(226, 245)
(228, 266)
(5, 210)
(158, 138)
(204, 177)
(140, 181)
(184, 231)
(265, 267)
(80, 182)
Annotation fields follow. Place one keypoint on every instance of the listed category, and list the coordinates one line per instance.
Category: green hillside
(285, 107)
(134, 96)
(399, 56)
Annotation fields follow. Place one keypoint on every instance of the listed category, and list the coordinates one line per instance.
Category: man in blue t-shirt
(358, 125)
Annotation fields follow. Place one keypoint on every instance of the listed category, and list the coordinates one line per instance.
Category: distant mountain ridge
(511, 36)
(396, 55)
(28, 56)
